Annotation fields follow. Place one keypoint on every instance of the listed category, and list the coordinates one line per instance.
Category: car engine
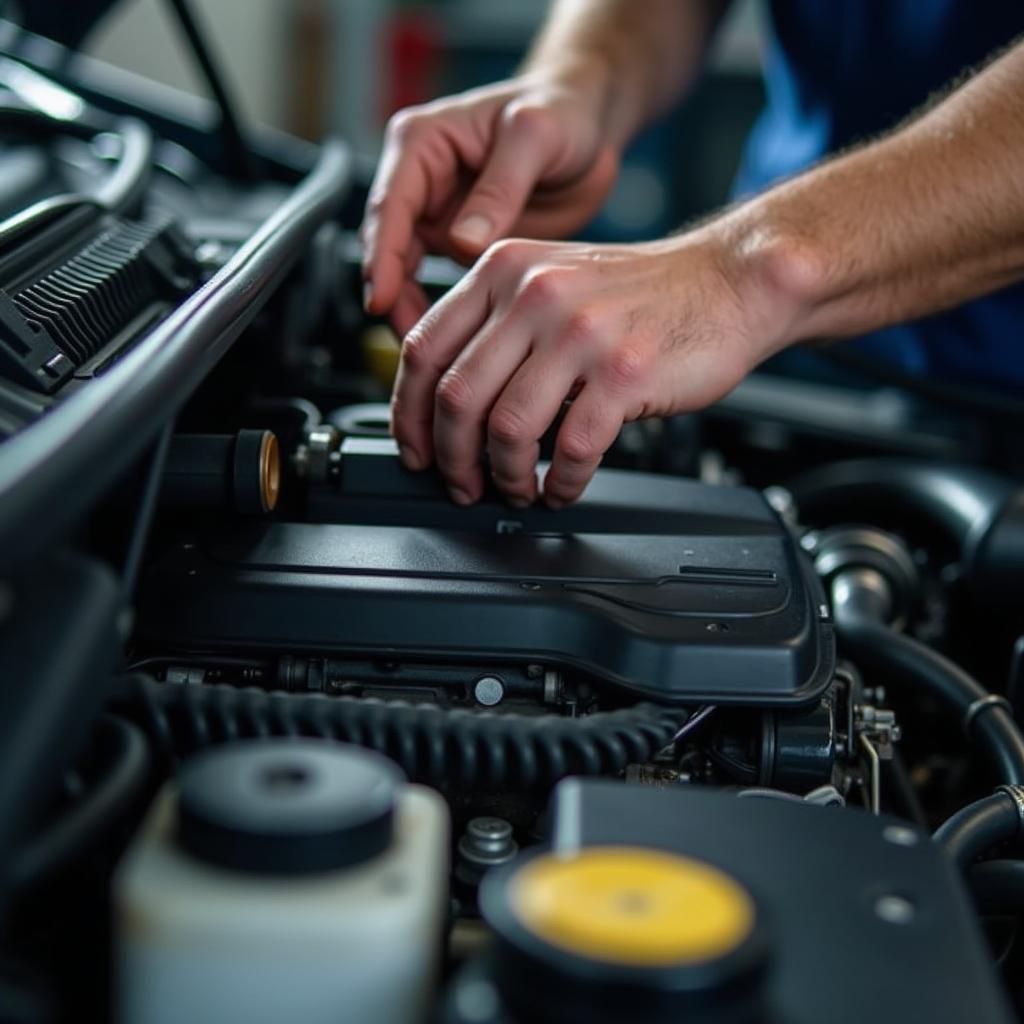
(286, 735)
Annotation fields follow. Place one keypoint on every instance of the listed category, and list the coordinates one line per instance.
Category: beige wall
(247, 35)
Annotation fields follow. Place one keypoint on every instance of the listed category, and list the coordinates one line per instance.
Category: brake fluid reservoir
(283, 880)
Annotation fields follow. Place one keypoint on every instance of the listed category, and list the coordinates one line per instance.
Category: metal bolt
(486, 842)
(488, 691)
(490, 834)
(895, 909)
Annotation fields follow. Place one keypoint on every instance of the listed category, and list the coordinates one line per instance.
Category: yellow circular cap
(632, 906)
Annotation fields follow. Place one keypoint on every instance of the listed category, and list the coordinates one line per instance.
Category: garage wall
(249, 36)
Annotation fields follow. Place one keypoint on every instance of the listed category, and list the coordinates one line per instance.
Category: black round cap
(287, 806)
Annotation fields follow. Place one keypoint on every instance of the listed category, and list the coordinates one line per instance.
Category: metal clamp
(1016, 794)
(981, 704)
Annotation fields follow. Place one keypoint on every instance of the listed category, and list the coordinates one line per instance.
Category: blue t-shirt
(841, 71)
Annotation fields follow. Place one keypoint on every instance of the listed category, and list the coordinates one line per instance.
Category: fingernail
(475, 230)
(409, 457)
(459, 496)
(367, 296)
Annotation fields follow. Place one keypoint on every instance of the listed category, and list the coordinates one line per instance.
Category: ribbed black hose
(998, 886)
(978, 827)
(445, 747)
(901, 659)
(82, 827)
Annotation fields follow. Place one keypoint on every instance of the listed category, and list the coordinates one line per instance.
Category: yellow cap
(381, 350)
(632, 906)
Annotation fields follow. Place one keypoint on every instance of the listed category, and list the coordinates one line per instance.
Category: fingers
(518, 420)
(464, 398)
(409, 308)
(524, 146)
(428, 349)
(398, 198)
(587, 432)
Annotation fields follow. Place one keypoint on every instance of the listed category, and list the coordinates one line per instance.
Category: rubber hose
(83, 826)
(904, 660)
(978, 827)
(961, 500)
(432, 744)
(998, 886)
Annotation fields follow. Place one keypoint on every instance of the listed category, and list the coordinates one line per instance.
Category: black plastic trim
(53, 469)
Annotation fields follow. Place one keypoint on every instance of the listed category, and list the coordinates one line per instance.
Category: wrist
(777, 274)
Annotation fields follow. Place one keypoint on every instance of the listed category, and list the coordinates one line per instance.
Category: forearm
(640, 55)
(919, 222)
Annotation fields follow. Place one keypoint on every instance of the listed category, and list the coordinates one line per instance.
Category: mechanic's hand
(527, 157)
(627, 331)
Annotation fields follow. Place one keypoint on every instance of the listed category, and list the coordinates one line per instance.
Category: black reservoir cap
(287, 806)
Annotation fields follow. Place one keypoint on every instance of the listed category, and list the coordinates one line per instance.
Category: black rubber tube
(121, 190)
(961, 500)
(458, 747)
(124, 189)
(998, 886)
(84, 825)
(981, 512)
(907, 662)
(978, 827)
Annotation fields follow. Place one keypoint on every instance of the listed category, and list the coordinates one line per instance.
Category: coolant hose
(437, 745)
(887, 654)
(982, 825)
(83, 826)
(998, 886)
(980, 511)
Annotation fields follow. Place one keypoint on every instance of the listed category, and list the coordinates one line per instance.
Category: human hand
(627, 331)
(528, 156)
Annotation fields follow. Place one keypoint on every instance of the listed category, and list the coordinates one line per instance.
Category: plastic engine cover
(668, 588)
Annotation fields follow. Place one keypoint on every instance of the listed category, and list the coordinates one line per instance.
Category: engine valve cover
(668, 588)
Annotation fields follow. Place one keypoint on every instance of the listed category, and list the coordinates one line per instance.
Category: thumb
(523, 149)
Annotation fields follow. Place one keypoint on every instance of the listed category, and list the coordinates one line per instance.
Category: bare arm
(920, 221)
(534, 155)
(641, 55)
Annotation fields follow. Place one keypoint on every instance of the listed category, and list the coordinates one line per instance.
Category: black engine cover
(668, 588)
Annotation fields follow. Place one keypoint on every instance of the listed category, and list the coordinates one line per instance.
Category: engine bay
(286, 733)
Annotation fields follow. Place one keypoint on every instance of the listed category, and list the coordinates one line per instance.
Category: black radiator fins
(87, 300)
